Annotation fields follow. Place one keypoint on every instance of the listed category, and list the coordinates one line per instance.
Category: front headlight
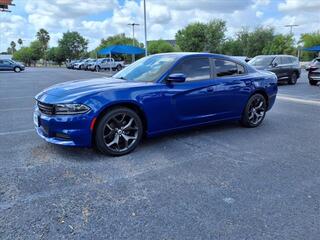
(71, 108)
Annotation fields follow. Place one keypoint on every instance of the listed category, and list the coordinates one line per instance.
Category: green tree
(73, 45)
(192, 38)
(55, 54)
(199, 37)
(281, 44)
(36, 51)
(258, 40)
(24, 55)
(215, 35)
(160, 46)
(309, 40)
(118, 39)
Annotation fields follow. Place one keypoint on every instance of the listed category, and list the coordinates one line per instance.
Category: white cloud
(300, 5)
(96, 19)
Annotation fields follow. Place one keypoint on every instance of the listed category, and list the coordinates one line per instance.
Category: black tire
(293, 79)
(118, 132)
(313, 82)
(17, 69)
(97, 68)
(254, 111)
(119, 67)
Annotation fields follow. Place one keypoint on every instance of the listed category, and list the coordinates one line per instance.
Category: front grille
(46, 108)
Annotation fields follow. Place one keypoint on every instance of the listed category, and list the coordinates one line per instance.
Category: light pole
(291, 26)
(133, 24)
(145, 28)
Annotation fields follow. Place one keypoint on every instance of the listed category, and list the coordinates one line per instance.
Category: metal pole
(145, 28)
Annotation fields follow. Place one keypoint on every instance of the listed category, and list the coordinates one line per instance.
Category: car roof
(276, 55)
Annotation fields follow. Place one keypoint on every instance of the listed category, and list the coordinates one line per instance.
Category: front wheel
(293, 79)
(118, 132)
(17, 69)
(97, 68)
(119, 67)
(254, 111)
(313, 82)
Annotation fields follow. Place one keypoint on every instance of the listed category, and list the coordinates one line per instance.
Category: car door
(232, 88)
(192, 101)
(6, 65)
(280, 67)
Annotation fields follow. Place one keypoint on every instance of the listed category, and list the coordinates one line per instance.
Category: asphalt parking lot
(217, 182)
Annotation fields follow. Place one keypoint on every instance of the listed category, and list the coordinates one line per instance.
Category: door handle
(210, 89)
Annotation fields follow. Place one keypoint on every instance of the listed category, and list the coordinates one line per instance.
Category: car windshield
(261, 61)
(147, 69)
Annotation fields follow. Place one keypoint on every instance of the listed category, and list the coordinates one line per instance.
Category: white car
(106, 64)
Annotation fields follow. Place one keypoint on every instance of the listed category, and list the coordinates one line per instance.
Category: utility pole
(291, 26)
(145, 28)
(133, 24)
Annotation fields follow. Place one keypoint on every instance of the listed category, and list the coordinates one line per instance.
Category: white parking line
(16, 132)
(9, 98)
(15, 109)
(299, 100)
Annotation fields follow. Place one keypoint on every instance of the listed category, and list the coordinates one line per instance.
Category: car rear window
(228, 68)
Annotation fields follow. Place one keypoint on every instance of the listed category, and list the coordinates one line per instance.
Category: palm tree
(20, 42)
(44, 38)
(13, 46)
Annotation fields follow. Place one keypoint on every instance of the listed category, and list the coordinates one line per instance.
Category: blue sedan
(155, 95)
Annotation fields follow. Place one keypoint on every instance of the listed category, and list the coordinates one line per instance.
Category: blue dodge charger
(156, 94)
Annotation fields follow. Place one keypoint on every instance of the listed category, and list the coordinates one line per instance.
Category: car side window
(285, 60)
(277, 60)
(194, 69)
(227, 68)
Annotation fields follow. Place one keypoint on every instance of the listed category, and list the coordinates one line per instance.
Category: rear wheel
(254, 111)
(293, 79)
(17, 69)
(119, 67)
(118, 132)
(313, 82)
(97, 68)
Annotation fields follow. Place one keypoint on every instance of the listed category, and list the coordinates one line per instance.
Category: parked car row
(96, 64)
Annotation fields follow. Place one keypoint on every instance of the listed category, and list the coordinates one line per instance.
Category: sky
(96, 19)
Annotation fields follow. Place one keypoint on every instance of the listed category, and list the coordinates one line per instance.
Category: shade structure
(313, 49)
(121, 49)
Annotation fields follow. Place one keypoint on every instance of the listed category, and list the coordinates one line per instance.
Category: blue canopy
(313, 49)
(121, 49)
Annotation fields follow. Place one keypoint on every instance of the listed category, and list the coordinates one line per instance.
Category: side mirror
(274, 64)
(176, 77)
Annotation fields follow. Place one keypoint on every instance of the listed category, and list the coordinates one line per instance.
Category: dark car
(286, 67)
(314, 71)
(10, 65)
(154, 95)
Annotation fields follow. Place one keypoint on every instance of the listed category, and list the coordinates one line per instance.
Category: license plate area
(36, 120)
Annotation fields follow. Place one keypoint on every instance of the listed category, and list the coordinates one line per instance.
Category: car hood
(75, 89)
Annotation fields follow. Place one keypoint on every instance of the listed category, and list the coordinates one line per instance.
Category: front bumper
(66, 130)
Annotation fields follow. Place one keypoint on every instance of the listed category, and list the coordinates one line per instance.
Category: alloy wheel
(256, 110)
(120, 132)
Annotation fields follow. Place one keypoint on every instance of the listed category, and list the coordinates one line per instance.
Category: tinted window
(194, 69)
(285, 60)
(228, 68)
(277, 60)
(261, 61)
